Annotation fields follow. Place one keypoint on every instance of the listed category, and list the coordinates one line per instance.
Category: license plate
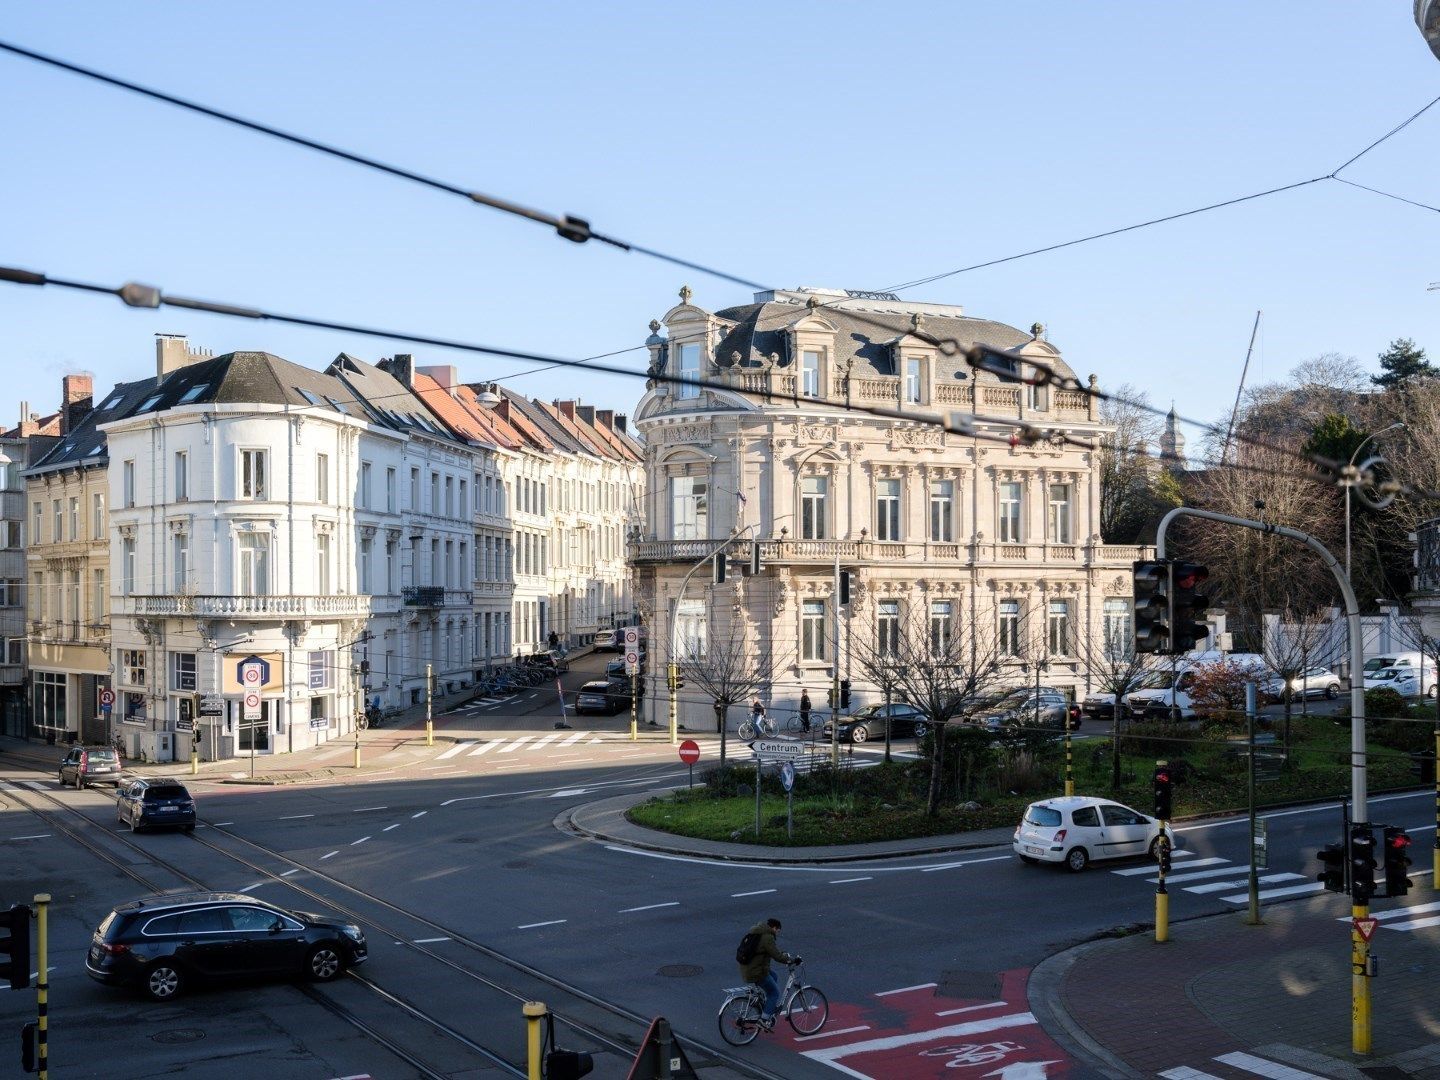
(1033, 850)
(102, 768)
(167, 809)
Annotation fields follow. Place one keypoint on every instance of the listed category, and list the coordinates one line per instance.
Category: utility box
(157, 746)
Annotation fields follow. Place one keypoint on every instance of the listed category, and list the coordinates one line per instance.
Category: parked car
(1313, 682)
(86, 765)
(143, 804)
(868, 723)
(606, 641)
(160, 943)
(1405, 681)
(1027, 707)
(615, 669)
(603, 695)
(1101, 706)
(1076, 829)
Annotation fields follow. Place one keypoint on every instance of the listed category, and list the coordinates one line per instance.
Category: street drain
(681, 971)
(179, 1035)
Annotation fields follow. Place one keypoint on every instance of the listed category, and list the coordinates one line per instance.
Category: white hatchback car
(1074, 829)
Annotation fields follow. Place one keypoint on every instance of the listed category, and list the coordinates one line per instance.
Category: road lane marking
(389, 827)
(649, 907)
(1260, 1067)
(757, 892)
(965, 862)
(287, 873)
(829, 1055)
(519, 742)
(848, 880)
(546, 740)
(1218, 871)
(1267, 894)
(906, 989)
(1184, 1072)
(1415, 924)
(360, 841)
(324, 857)
(1135, 871)
(569, 791)
(574, 738)
(1240, 883)
(1414, 909)
(251, 888)
(428, 940)
(367, 809)
(218, 824)
(484, 748)
(458, 748)
(832, 1034)
(533, 925)
(295, 817)
(421, 814)
(971, 1008)
(35, 836)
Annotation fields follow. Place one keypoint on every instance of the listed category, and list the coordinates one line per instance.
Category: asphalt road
(474, 901)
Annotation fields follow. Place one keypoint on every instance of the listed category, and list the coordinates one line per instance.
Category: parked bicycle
(751, 729)
(806, 1007)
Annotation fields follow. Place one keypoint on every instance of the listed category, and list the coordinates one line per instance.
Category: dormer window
(810, 373)
(914, 388)
(689, 371)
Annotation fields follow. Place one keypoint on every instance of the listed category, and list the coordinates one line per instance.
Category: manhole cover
(681, 971)
(179, 1035)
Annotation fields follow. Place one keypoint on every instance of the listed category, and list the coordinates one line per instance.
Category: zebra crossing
(1224, 876)
(1405, 918)
(1246, 1064)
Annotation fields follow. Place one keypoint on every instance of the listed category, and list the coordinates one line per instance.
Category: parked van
(1161, 702)
(1408, 674)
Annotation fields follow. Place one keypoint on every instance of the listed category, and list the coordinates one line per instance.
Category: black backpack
(748, 947)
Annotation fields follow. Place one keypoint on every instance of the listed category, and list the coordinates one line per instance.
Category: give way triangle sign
(1366, 927)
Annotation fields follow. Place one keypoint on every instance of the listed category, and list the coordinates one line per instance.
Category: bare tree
(941, 666)
(1293, 643)
(1117, 670)
(1127, 472)
(729, 665)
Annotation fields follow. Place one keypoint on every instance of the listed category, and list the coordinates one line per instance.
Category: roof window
(193, 393)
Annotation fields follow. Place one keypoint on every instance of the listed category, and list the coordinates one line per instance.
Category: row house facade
(13, 576)
(932, 524)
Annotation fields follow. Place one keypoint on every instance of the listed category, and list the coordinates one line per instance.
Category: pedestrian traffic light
(1187, 606)
(1151, 589)
(1397, 861)
(1332, 860)
(755, 556)
(15, 946)
(844, 693)
(844, 587)
(1362, 863)
(1162, 793)
(830, 697)
(672, 677)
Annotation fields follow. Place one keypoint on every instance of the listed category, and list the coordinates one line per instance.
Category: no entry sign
(689, 751)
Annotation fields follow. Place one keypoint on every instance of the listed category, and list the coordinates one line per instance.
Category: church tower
(1172, 443)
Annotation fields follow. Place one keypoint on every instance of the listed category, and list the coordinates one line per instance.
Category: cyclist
(805, 709)
(757, 714)
(757, 969)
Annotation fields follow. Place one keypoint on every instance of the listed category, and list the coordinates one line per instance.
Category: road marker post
(429, 700)
(42, 983)
(534, 1012)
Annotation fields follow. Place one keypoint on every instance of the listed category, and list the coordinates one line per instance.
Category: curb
(1043, 995)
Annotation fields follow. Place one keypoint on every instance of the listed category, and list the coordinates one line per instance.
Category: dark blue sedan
(158, 802)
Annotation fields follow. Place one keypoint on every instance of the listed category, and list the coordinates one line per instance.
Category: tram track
(624, 1043)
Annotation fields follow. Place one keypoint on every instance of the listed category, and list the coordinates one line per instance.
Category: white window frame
(687, 366)
(181, 561)
(887, 509)
(127, 476)
(74, 507)
(182, 476)
(324, 563)
(184, 671)
(97, 514)
(366, 556)
(1061, 503)
(1008, 628)
(1118, 628)
(691, 629)
(887, 627)
(913, 392)
(942, 511)
(390, 484)
(690, 508)
(942, 626)
(814, 507)
(322, 479)
(254, 474)
(813, 645)
(810, 362)
(252, 563)
(127, 566)
(1010, 518)
(1058, 630)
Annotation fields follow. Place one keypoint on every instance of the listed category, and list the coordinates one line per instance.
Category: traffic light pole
(1253, 882)
(1360, 948)
(835, 667)
(42, 982)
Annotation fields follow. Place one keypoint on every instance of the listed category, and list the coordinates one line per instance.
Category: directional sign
(212, 705)
(186, 725)
(689, 751)
(319, 723)
(107, 698)
(252, 704)
(786, 748)
(1366, 927)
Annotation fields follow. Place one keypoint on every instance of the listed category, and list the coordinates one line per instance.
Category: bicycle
(751, 729)
(796, 726)
(804, 1006)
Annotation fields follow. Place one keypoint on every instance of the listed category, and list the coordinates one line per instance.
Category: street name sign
(785, 748)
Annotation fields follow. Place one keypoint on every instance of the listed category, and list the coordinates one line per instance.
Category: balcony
(884, 553)
(247, 607)
(426, 596)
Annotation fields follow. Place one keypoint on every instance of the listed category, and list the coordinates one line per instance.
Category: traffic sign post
(787, 778)
(107, 698)
(689, 754)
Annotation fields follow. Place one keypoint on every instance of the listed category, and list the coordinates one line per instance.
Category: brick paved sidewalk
(1280, 991)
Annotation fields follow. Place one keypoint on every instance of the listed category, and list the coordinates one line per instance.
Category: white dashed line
(389, 827)
(848, 880)
(538, 743)
(217, 824)
(367, 809)
(649, 907)
(36, 836)
(324, 857)
(519, 742)
(287, 873)
(971, 1008)
(421, 814)
(428, 940)
(483, 748)
(533, 925)
(360, 841)
(906, 989)
(251, 888)
(831, 1034)
(757, 892)
(458, 748)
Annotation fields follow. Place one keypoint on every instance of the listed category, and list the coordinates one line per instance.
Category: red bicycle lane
(919, 1033)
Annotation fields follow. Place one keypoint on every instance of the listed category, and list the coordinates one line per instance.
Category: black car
(86, 765)
(161, 943)
(869, 723)
(603, 695)
(144, 804)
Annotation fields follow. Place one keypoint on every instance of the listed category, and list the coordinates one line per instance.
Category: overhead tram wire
(575, 229)
(968, 425)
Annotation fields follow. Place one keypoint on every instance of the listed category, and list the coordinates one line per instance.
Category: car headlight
(354, 933)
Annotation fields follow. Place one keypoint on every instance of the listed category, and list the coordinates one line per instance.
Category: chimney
(78, 386)
(445, 375)
(401, 366)
(503, 409)
(173, 352)
(606, 417)
(587, 413)
(566, 409)
(620, 422)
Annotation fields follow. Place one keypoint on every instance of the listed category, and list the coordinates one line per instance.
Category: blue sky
(843, 145)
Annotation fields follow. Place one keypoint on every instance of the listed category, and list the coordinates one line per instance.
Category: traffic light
(1151, 589)
(1162, 793)
(1187, 606)
(15, 946)
(830, 697)
(672, 677)
(1397, 861)
(1362, 863)
(27, 1048)
(755, 556)
(1162, 853)
(1332, 859)
(844, 587)
(719, 562)
(844, 693)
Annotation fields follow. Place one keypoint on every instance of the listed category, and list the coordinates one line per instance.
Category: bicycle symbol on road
(968, 1055)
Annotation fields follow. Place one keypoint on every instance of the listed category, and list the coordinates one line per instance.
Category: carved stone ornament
(178, 526)
(207, 628)
(815, 434)
(149, 630)
(296, 629)
(1117, 586)
(688, 433)
(367, 532)
(392, 536)
(127, 532)
(782, 597)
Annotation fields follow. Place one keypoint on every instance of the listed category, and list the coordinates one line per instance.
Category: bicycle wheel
(739, 1022)
(746, 731)
(807, 1010)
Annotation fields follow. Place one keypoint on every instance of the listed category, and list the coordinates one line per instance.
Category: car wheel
(859, 733)
(1076, 859)
(921, 730)
(1332, 691)
(163, 981)
(134, 825)
(1434, 689)
(1029, 860)
(1155, 849)
(324, 963)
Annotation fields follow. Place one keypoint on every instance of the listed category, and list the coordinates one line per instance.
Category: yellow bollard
(194, 759)
(1162, 916)
(429, 697)
(635, 707)
(42, 984)
(1359, 983)
(535, 1012)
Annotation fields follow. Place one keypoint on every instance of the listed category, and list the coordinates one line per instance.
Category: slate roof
(865, 334)
(84, 445)
(390, 402)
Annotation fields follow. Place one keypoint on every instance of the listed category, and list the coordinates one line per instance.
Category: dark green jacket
(759, 965)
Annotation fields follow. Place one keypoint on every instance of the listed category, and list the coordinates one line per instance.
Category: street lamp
(1375, 434)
